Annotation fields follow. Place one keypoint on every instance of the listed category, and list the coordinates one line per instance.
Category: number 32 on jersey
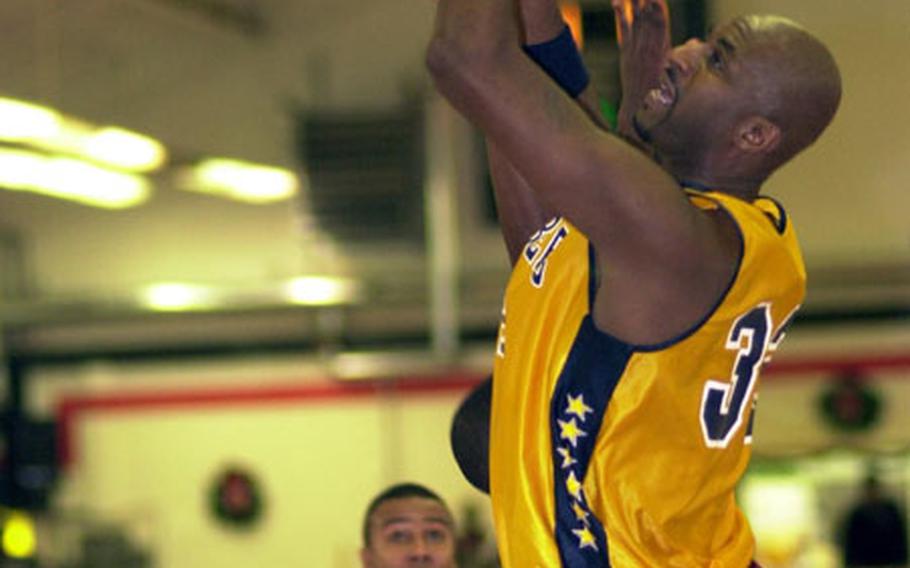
(724, 404)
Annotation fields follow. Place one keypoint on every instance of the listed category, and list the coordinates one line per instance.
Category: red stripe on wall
(71, 408)
(799, 367)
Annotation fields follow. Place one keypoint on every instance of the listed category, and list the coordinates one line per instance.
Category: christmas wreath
(849, 404)
(236, 499)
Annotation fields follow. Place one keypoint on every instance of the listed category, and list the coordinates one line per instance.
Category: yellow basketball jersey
(604, 453)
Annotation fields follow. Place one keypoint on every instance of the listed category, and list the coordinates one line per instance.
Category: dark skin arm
(664, 262)
(520, 211)
(642, 59)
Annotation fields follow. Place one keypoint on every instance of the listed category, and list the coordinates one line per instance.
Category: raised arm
(664, 261)
(520, 211)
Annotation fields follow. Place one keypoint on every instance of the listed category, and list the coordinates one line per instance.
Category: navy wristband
(560, 59)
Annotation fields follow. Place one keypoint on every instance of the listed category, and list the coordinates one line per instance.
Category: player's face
(410, 532)
(703, 89)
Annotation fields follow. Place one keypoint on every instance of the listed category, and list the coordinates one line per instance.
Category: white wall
(849, 193)
(319, 461)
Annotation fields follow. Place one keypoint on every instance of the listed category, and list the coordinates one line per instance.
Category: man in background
(408, 525)
(876, 532)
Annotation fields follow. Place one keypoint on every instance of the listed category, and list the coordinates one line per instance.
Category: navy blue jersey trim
(593, 269)
(780, 223)
(694, 185)
(577, 408)
(592, 290)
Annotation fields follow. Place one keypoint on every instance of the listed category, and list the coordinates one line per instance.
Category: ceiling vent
(365, 173)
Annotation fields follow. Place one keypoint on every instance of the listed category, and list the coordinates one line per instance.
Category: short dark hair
(397, 491)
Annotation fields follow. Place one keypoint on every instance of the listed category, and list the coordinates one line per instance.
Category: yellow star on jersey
(585, 538)
(578, 407)
(567, 459)
(573, 486)
(580, 513)
(570, 431)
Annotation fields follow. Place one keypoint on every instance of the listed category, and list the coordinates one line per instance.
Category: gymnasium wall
(143, 445)
(848, 194)
(143, 442)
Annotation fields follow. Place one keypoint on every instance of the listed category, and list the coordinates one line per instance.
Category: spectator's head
(408, 525)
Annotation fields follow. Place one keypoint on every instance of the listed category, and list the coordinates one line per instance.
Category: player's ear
(757, 134)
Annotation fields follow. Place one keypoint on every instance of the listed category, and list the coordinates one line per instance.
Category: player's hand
(643, 32)
(627, 12)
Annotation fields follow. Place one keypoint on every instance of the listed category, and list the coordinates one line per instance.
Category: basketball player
(637, 318)
(408, 525)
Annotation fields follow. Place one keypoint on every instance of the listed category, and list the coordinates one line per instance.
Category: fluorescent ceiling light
(320, 290)
(70, 179)
(46, 129)
(28, 123)
(173, 296)
(123, 149)
(243, 181)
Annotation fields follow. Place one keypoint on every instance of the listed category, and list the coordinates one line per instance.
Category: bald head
(799, 85)
(732, 109)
